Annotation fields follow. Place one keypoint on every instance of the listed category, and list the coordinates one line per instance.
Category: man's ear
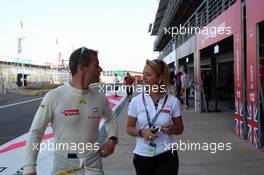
(81, 68)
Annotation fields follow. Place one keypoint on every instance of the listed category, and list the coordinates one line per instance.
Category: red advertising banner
(238, 86)
(261, 72)
(254, 11)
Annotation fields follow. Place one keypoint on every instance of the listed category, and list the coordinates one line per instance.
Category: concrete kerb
(28, 92)
(116, 110)
(120, 106)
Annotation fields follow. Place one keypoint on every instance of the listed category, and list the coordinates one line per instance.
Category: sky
(118, 29)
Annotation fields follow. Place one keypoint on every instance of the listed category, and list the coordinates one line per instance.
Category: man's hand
(106, 148)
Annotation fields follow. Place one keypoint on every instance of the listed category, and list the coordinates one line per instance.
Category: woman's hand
(175, 128)
(168, 129)
(147, 134)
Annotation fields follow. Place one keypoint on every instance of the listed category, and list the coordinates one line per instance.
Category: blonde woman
(153, 117)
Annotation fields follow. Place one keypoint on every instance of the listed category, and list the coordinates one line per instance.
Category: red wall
(230, 18)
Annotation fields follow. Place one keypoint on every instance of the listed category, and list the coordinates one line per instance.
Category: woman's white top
(171, 109)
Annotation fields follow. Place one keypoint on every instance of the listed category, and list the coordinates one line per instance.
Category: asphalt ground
(200, 128)
(15, 116)
(17, 111)
(211, 129)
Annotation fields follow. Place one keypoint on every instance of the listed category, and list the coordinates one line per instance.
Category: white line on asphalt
(19, 103)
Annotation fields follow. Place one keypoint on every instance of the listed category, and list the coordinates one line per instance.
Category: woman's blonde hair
(161, 69)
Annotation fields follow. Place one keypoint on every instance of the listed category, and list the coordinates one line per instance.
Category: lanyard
(151, 123)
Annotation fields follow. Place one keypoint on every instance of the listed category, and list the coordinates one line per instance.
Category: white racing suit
(88, 166)
(74, 115)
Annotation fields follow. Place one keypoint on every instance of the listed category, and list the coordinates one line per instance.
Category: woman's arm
(178, 125)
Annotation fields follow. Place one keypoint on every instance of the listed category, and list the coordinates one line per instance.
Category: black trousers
(129, 90)
(164, 164)
(187, 96)
(178, 89)
(116, 87)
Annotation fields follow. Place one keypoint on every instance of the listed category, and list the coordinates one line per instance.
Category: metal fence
(9, 75)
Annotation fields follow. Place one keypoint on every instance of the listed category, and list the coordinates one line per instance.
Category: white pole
(22, 71)
(1, 79)
(21, 49)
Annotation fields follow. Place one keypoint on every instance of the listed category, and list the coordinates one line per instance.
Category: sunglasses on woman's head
(158, 61)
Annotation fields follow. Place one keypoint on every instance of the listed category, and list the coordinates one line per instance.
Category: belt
(72, 156)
